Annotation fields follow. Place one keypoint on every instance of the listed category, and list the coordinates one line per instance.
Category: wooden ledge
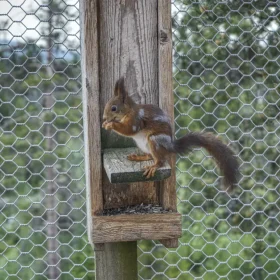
(136, 227)
(121, 170)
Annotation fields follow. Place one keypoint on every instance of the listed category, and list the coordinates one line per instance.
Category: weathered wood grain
(166, 98)
(128, 40)
(92, 132)
(121, 170)
(136, 227)
(128, 47)
(168, 197)
(117, 261)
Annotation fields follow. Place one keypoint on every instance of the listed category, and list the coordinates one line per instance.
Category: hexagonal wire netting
(42, 185)
(226, 80)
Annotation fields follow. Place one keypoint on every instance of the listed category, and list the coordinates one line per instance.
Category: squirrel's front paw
(104, 124)
(108, 125)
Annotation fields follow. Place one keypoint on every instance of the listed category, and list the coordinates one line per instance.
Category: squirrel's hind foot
(150, 171)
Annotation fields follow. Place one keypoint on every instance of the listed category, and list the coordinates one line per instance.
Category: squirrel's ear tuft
(120, 90)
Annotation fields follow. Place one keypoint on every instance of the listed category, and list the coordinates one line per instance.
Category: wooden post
(130, 38)
(166, 101)
(92, 123)
(118, 261)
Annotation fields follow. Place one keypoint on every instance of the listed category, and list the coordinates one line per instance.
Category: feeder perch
(121, 170)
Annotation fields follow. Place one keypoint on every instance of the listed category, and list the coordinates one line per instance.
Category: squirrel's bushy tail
(223, 155)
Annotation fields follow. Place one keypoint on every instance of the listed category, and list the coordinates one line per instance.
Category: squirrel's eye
(114, 108)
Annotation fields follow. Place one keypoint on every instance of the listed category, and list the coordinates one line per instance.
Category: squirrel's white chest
(142, 142)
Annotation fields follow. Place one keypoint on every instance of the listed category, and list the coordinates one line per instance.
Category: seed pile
(137, 209)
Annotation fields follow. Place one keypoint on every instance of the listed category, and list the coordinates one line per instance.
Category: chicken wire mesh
(226, 80)
(42, 185)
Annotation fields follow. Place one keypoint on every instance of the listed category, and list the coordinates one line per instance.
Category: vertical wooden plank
(166, 101)
(128, 47)
(92, 125)
(118, 261)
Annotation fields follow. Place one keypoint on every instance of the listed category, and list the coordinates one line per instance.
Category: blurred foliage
(41, 153)
(226, 80)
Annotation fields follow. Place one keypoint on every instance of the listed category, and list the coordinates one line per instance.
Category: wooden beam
(166, 98)
(168, 196)
(91, 109)
(136, 227)
(117, 261)
(121, 170)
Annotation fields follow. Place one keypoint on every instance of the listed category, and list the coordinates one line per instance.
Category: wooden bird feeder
(131, 39)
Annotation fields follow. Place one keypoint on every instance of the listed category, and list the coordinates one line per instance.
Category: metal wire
(226, 80)
(42, 186)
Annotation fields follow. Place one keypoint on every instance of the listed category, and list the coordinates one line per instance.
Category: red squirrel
(151, 129)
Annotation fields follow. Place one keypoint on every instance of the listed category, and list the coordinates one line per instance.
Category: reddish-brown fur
(151, 129)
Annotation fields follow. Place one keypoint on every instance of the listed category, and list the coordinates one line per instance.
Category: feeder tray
(126, 227)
